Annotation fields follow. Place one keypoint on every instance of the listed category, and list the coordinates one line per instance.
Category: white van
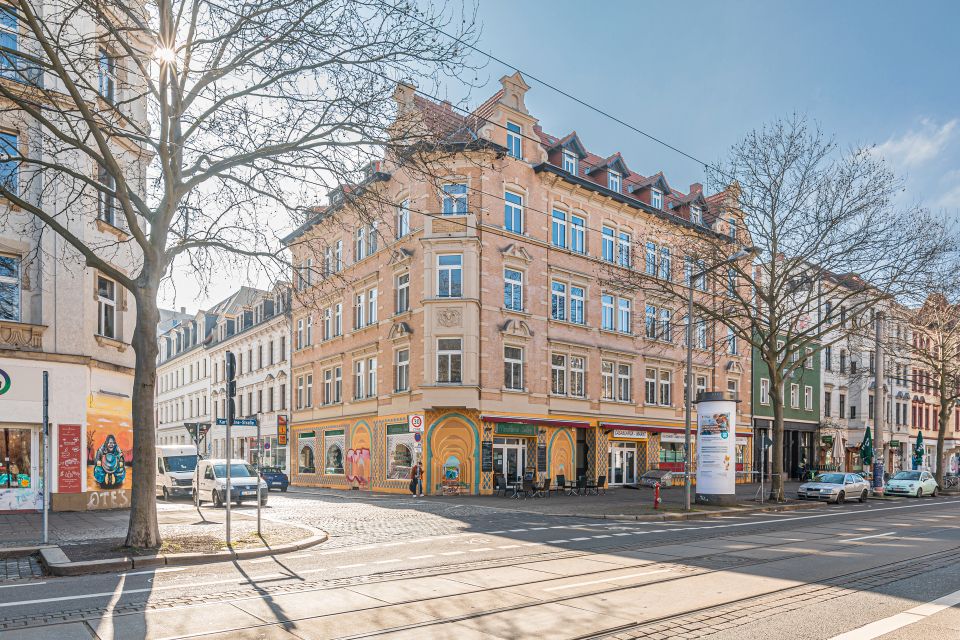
(176, 465)
(211, 482)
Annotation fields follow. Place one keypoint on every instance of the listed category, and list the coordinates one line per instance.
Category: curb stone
(56, 562)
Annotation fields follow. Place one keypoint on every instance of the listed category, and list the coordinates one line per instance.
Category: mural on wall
(358, 467)
(109, 443)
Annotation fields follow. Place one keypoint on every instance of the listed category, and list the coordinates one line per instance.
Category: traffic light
(231, 373)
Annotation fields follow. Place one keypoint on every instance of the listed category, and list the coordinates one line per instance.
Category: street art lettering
(358, 466)
(116, 499)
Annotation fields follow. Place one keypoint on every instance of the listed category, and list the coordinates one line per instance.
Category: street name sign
(239, 422)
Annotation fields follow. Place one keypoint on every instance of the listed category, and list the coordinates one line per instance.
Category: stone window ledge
(104, 341)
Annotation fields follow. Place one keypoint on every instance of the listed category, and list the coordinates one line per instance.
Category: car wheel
(934, 494)
(863, 496)
(283, 490)
(920, 492)
(841, 497)
(217, 500)
(166, 495)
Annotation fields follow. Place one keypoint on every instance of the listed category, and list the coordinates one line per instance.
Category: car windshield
(236, 470)
(907, 475)
(180, 463)
(831, 478)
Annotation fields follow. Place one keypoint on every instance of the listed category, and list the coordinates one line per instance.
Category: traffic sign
(266, 446)
(415, 421)
(239, 422)
(197, 430)
(418, 447)
(417, 437)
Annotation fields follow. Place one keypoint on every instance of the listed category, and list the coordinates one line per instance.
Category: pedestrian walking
(416, 480)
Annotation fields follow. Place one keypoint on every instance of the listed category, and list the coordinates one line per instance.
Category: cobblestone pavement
(20, 568)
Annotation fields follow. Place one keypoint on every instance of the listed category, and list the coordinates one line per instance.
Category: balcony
(451, 226)
(21, 336)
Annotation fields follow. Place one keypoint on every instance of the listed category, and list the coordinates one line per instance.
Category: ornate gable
(400, 330)
(400, 256)
(516, 328)
(516, 251)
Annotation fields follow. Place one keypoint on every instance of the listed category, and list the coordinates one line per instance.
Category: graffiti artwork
(109, 444)
(358, 466)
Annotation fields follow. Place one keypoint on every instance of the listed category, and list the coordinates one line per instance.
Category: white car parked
(912, 483)
(211, 483)
(835, 487)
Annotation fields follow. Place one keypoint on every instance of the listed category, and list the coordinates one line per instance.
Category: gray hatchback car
(835, 487)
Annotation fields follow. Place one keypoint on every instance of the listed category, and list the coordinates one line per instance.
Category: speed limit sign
(415, 421)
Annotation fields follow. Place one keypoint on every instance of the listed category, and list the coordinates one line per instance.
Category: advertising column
(716, 450)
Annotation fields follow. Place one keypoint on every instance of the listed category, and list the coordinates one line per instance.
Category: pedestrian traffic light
(230, 369)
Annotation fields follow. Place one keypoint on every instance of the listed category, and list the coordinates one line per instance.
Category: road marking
(298, 556)
(509, 546)
(352, 566)
(578, 539)
(453, 553)
(900, 620)
(429, 555)
(878, 535)
(258, 561)
(516, 530)
(493, 533)
(539, 528)
(28, 584)
(602, 536)
(590, 582)
(622, 534)
(388, 561)
(556, 541)
(152, 571)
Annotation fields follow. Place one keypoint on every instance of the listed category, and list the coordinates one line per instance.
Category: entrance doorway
(623, 463)
(509, 458)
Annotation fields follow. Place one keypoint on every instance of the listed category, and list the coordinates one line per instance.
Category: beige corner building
(480, 301)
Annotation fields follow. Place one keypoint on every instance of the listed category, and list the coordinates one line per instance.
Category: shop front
(798, 445)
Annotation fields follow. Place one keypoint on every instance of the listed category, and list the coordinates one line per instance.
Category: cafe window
(671, 452)
(15, 459)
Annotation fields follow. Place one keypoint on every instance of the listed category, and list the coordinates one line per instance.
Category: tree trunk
(776, 464)
(944, 420)
(143, 530)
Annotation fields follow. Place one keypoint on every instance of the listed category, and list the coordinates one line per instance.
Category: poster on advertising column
(716, 448)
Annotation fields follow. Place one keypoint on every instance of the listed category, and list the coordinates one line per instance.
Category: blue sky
(699, 74)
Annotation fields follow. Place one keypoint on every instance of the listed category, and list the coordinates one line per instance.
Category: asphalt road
(407, 568)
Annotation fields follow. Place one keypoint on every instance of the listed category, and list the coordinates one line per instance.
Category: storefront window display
(401, 461)
(15, 459)
(334, 460)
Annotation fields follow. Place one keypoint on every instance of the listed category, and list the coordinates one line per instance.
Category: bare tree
(829, 245)
(195, 130)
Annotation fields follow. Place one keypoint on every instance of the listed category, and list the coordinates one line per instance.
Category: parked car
(275, 478)
(211, 482)
(835, 487)
(175, 470)
(912, 483)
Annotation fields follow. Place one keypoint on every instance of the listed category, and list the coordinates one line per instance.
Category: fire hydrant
(656, 496)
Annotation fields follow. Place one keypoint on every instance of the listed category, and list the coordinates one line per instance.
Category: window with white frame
(402, 370)
(624, 316)
(360, 244)
(106, 307)
(607, 244)
(650, 386)
(338, 319)
(512, 212)
(558, 301)
(733, 388)
(359, 308)
(454, 198)
(10, 287)
(607, 312)
(558, 235)
(696, 215)
(578, 234)
(327, 262)
(558, 374)
(308, 336)
(666, 264)
(607, 384)
(513, 368)
(359, 378)
(449, 360)
(300, 392)
(794, 395)
(577, 297)
(309, 398)
(337, 384)
(808, 361)
(372, 306)
(665, 330)
(808, 398)
(9, 145)
(764, 391)
(450, 275)
(328, 386)
(624, 382)
(613, 180)
(9, 38)
(666, 387)
(513, 289)
(403, 292)
(656, 199)
(514, 140)
(373, 237)
(650, 322)
(106, 197)
(403, 218)
(700, 386)
(371, 377)
(623, 249)
(732, 341)
(338, 256)
(650, 259)
(570, 160)
(327, 323)
(107, 75)
(577, 374)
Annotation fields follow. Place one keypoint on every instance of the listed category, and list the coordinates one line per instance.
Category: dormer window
(514, 139)
(570, 162)
(696, 215)
(656, 199)
(613, 181)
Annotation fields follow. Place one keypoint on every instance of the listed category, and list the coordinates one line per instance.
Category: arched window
(334, 461)
(306, 460)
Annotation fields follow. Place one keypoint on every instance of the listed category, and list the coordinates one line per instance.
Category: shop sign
(675, 437)
(282, 430)
(542, 458)
(21, 384)
(514, 429)
(397, 429)
(827, 441)
(741, 442)
(629, 433)
(415, 420)
(486, 456)
(69, 468)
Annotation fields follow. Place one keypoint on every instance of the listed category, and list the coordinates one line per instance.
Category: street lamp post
(688, 401)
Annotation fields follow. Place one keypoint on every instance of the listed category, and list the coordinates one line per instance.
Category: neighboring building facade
(484, 308)
(60, 316)
(254, 325)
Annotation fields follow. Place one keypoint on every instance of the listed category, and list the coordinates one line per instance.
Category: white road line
(388, 561)
(539, 528)
(493, 533)
(429, 555)
(478, 549)
(589, 582)
(556, 541)
(622, 534)
(516, 530)
(878, 535)
(602, 536)
(578, 539)
(452, 553)
(24, 584)
(900, 620)
(352, 566)
(153, 571)
(509, 546)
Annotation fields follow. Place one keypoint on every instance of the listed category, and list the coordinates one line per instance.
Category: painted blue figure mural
(109, 470)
